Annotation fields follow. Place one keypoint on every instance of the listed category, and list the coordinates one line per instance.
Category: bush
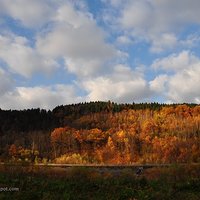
(71, 159)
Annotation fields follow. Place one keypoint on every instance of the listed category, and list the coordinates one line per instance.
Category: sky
(58, 52)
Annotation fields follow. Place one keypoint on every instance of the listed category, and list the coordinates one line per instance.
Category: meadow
(45, 183)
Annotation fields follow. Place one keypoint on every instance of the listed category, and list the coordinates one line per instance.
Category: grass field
(175, 182)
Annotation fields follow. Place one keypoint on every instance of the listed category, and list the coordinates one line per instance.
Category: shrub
(70, 159)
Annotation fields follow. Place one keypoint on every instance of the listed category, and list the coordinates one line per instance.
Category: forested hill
(102, 132)
(40, 119)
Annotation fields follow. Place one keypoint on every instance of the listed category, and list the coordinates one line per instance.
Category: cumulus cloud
(23, 59)
(123, 85)
(174, 62)
(76, 37)
(192, 40)
(6, 82)
(158, 85)
(115, 3)
(29, 13)
(162, 42)
(183, 84)
(46, 97)
(136, 14)
(157, 22)
(124, 40)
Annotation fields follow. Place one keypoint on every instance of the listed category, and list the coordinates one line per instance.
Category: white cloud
(23, 59)
(158, 85)
(76, 37)
(124, 40)
(31, 13)
(183, 84)
(83, 68)
(115, 3)
(176, 62)
(46, 97)
(6, 82)
(166, 41)
(192, 40)
(123, 85)
(158, 22)
(136, 14)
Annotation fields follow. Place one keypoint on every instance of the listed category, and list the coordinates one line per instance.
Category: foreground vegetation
(176, 182)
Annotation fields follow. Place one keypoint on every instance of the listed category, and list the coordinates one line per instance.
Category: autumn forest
(102, 133)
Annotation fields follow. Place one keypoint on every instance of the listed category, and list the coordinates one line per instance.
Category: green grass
(83, 183)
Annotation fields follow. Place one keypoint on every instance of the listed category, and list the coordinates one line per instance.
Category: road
(98, 165)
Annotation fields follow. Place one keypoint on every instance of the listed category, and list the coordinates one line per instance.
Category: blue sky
(55, 52)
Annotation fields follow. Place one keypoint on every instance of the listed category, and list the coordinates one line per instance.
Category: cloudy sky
(55, 52)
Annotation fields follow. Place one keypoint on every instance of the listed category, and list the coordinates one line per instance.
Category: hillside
(102, 132)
